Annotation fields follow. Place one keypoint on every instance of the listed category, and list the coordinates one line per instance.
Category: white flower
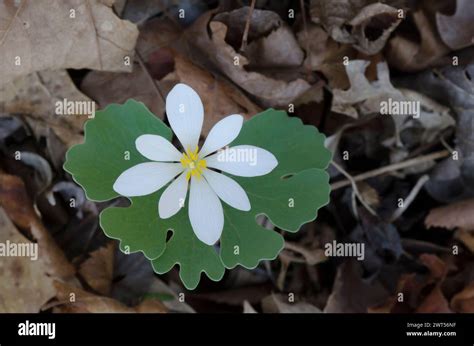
(185, 114)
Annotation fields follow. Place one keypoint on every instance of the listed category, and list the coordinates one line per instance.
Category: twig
(305, 28)
(391, 168)
(243, 46)
(446, 145)
(410, 198)
(150, 78)
(352, 181)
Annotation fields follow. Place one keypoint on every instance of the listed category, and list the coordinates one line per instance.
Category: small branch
(410, 198)
(352, 182)
(305, 28)
(153, 82)
(243, 46)
(391, 168)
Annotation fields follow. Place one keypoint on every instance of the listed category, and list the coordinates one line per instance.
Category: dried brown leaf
(409, 55)
(18, 205)
(457, 31)
(269, 91)
(110, 87)
(464, 300)
(271, 41)
(278, 303)
(365, 23)
(25, 284)
(35, 95)
(435, 302)
(72, 299)
(98, 269)
(97, 38)
(456, 215)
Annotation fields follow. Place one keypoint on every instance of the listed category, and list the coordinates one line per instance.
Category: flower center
(190, 161)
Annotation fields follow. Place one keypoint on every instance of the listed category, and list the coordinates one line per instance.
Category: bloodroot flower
(197, 167)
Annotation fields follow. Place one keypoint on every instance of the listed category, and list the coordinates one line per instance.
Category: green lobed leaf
(290, 195)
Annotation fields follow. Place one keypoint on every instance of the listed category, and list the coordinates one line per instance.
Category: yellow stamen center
(190, 161)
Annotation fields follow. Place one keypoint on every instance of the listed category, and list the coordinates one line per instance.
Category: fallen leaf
(455, 215)
(98, 269)
(271, 41)
(16, 202)
(457, 31)
(438, 268)
(467, 238)
(411, 54)
(365, 23)
(110, 87)
(36, 95)
(248, 309)
(72, 299)
(412, 286)
(269, 91)
(363, 96)
(279, 304)
(464, 300)
(25, 285)
(452, 179)
(372, 27)
(97, 38)
(350, 293)
(435, 302)
(325, 55)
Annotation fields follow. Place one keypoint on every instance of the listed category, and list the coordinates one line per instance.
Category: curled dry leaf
(372, 27)
(26, 285)
(98, 38)
(455, 215)
(35, 95)
(269, 91)
(325, 55)
(410, 54)
(72, 299)
(15, 200)
(271, 41)
(98, 269)
(457, 31)
(365, 23)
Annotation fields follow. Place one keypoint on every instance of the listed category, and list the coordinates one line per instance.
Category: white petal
(205, 212)
(146, 178)
(228, 190)
(222, 133)
(243, 160)
(172, 199)
(157, 148)
(185, 114)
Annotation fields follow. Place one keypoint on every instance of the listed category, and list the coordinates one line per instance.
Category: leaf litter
(331, 63)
